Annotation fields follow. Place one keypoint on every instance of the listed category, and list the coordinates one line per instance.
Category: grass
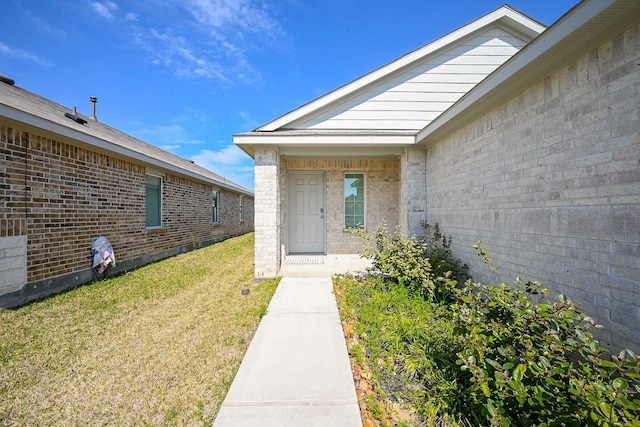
(403, 335)
(158, 346)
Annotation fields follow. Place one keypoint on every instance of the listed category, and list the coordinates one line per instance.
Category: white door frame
(313, 210)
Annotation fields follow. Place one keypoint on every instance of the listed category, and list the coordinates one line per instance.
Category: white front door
(306, 213)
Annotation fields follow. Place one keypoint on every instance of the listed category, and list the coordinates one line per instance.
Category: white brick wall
(267, 214)
(550, 182)
(413, 192)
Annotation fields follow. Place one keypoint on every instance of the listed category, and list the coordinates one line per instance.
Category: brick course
(550, 182)
(62, 196)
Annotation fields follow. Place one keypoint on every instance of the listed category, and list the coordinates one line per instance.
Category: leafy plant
(411, 344)
(399, 259)
(537, 363)
(438, 249)
(426, 266)
(479, 354)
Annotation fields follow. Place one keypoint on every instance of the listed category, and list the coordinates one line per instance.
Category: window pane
(349, 208)
(354, 200)
(153, 201)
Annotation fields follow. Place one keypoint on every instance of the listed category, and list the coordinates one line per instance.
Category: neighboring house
(528, 142)
(66, 179)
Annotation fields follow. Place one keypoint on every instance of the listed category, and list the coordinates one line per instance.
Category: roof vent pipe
(6, 79)
(93, 100)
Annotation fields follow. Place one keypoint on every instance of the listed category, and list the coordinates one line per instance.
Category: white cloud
(233, 13)
(229, 155)
(22, 54)
(191, 60)
(230, 162)
(208, 39)
(249, 123)
(105, 9)
(169, 137)
(45, 27)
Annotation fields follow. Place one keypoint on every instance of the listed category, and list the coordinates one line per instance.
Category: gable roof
(399, 99)
(505, 17)
(31, 109)
(583, 28)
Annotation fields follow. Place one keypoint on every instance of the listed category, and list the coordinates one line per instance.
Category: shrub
(537, 363)
(487, 354)
(427, 266)
(399, 259)
(438, 249)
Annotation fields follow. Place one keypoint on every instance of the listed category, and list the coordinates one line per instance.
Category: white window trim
(241, 208)
(344, 200)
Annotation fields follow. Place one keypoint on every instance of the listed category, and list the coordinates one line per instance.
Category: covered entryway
(306, 213)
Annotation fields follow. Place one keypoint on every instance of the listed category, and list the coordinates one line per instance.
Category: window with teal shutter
(153, 195)
(354, 200)
(215, 206)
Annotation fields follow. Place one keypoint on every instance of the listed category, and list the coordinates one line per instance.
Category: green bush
(527, 361)
(488, 354)
(410, 261)
(398, 258)
(438, 250)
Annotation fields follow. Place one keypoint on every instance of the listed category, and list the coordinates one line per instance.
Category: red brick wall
(63, 196)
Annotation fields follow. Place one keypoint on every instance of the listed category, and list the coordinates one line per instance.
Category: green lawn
(157, 346)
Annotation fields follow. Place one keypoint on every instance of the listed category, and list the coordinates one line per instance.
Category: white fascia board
(103, 145)
(299, 138)
(341, 151)
(571, 22)
(504, 14)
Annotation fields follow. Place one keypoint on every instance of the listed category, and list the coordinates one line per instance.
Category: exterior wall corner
(267, 214)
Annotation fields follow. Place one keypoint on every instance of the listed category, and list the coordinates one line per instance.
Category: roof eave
(536, 61)
(104, 145)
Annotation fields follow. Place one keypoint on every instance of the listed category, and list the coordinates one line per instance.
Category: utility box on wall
(13, 263)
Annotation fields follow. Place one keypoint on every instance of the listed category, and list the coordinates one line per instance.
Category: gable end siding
(411, 99)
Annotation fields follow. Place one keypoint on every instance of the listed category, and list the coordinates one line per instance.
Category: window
(214, 213)
(153, 195)
(354, 200)
(241, 209)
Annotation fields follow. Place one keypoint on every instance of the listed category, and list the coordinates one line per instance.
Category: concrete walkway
(296, 371)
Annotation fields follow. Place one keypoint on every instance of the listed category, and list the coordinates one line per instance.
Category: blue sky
(186, 75)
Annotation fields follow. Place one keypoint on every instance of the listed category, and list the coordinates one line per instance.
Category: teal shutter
(153, 195)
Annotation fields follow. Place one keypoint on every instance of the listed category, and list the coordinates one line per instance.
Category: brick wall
(267, 220)
(550, 182)
(382, 189)
(63, 196)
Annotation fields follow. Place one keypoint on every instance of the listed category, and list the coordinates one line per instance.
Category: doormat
(305, 260)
